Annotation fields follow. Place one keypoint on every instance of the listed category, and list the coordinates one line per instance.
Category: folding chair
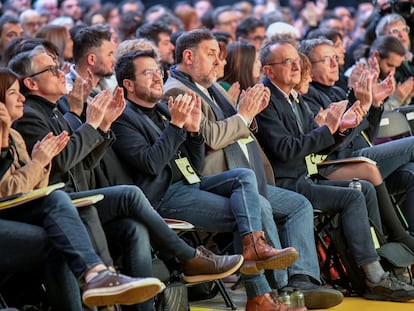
(393, 125)
(408, 112)
(197, 237)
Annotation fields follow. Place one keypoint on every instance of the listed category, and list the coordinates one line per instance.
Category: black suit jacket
(148, 153)
(83, 152)
(282, 141)
(320, 96)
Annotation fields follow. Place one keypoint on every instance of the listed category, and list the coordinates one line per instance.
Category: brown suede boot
(259, 255)
(267, 303)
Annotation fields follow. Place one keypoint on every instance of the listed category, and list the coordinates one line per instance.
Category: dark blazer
(84, 150)
(148, 153)
(110, 171)
(282, 141)
(320, 96)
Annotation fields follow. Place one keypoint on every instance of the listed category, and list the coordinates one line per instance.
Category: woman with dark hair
(243, 66)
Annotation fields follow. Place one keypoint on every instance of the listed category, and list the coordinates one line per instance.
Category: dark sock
(390, 220)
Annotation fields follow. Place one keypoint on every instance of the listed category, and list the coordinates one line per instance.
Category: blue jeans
(293, 214)
(395, 160)
(130, 222)
(227, 202)
(129, 241)
(122, 202)
(219, 203)
(61, 222)
(27, 247)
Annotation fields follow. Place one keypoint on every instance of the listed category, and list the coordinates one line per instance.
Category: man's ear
(128, 85)
(91, 59)
(188, 57)
(376, 54)
(30, 84)
(267, 70)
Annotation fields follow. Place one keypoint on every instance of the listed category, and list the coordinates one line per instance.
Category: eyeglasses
(396, 31)
(149, 73)
(285, 62)
(54, 70)
(327, 60)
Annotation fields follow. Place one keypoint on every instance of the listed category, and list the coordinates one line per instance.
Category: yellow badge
(187, 170)
(247, 140)
(312, 160)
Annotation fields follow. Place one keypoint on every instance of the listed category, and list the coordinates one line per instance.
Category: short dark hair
(190, 40)
(150, 31)
(248, 25)
(8, 19)
(386, 45)
(125, 68)
(87, 39)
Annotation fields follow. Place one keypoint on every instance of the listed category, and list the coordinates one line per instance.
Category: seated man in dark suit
(289, 134)
(395, 159)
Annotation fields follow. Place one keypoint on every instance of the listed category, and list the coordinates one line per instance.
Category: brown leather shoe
(259, 255)
(267, 303)
(207, 266)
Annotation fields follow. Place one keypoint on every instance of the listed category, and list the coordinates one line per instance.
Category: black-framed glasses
(149, 73)
(327, 60)
(53, 69)
(285, 62)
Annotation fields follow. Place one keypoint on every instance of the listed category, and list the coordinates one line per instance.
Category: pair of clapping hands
(44, 150)
(102, 110)
(185, 109)
(364, 82)
(367, 91)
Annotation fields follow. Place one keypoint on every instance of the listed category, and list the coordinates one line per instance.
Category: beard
(104, 73)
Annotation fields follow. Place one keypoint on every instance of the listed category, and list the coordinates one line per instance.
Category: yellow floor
(349, 303)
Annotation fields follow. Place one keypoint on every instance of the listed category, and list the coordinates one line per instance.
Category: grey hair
(136, 44)
(266, 54)
(308, 46)
(387, 20)
(22, 63)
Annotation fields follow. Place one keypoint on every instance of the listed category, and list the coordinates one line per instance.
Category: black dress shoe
(316, 297)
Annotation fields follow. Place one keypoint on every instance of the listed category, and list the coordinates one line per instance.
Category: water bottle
(286, 298)
(355, 184)
(297, 299)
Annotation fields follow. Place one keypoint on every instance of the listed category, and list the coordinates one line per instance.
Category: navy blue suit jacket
(282, 141)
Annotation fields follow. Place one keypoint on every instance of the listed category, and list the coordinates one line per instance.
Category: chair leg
(2, 302)
(225, 294)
